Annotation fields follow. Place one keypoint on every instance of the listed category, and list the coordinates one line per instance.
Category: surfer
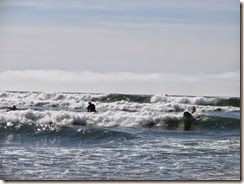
(91, 107)
(187, 114)
(188, 118)
(12, 108)
(193, 109)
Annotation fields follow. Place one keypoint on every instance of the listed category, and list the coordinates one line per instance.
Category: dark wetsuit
(12, 108)
(188, 120)
(91, 108)
(187, 115)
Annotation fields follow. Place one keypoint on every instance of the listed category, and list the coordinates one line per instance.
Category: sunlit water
(148, 143)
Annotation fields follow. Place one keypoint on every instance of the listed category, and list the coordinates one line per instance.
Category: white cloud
(85, 76)
(224, 84)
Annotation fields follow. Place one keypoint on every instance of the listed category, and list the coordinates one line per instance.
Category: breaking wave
(78, 100)
(58, 113)
(21, 120)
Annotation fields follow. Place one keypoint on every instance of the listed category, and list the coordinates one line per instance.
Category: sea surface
(51, 136)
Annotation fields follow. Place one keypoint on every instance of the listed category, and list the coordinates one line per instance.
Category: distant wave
(77, 100)
(231, 101)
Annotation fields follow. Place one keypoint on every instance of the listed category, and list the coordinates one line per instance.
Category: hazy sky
(124, 46)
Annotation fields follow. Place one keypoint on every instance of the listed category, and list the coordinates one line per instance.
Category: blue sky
(180, 39)
(67, 13)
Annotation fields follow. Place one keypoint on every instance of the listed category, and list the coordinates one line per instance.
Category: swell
(54, 131)
(219, 123)
(99, 130)
(129, 98)
(80, 99)
(197, 100)
(235, 102)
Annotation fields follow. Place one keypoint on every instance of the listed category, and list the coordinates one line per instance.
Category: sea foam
(70, 108)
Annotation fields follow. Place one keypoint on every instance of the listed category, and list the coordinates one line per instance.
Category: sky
(183, 47)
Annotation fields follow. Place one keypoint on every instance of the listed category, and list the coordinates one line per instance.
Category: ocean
(51, 136)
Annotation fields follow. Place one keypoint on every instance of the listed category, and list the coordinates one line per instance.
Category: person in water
(193, 110)
(189, 119)
(91, 107)
(13, 108)
(188, 114)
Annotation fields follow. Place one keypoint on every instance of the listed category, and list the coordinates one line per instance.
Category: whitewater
(51, 136)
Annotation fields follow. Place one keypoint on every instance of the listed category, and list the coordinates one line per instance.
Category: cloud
(85, 76)
(223, 84)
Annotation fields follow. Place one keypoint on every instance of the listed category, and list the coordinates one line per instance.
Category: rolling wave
(42, 99)
(30, 121)
(70, 132)
(58, 113)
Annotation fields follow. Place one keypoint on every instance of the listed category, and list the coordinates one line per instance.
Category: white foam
(119, 113)
(185, 100)
(47, 99)
(109, 118)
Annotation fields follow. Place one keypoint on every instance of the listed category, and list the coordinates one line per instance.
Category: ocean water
(131, 137)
